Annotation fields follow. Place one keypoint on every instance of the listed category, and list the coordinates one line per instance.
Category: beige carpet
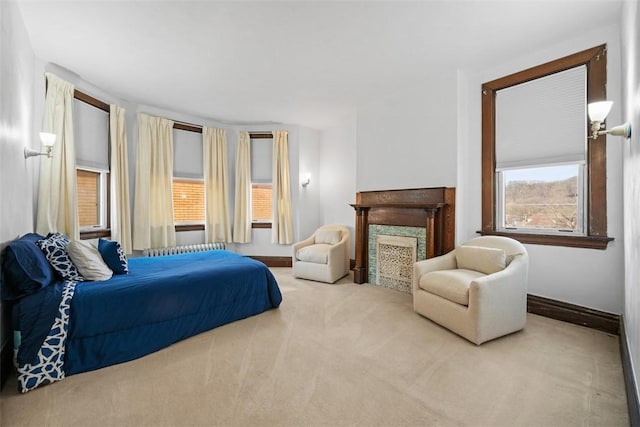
(342, 355)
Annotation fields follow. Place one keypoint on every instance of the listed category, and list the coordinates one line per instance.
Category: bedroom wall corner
(630, 36)
(17, 63)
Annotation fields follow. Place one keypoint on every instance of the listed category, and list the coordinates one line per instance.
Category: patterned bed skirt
(48, 366)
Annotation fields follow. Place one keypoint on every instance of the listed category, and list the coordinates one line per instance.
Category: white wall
(631, 149)
(16, 132)
(587, 277)
(337, 176)
(309, 211)
(408, 140)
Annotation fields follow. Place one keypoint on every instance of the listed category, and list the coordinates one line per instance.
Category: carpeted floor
(342, 355)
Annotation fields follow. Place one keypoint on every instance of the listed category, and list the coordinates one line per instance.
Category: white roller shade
(261, 159)
(542, 121)
(91, 128)
(187, 154)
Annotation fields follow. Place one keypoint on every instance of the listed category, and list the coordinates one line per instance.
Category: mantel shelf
(430, 208)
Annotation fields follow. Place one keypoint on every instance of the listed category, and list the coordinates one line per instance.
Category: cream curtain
(120, 210)
(217, 226)
(242, 212)
(57, 194)
(153, 211)
(282, 226)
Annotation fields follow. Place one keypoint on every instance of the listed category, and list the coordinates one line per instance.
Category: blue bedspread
(161, 301)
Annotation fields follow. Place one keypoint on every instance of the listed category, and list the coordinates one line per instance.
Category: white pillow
(329, 237)
(88, 260)
(480, 258)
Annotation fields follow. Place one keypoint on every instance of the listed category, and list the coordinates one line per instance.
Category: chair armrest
(301, 244)
(517, 269)
(337, 252)
(442, 262)
(505, 288)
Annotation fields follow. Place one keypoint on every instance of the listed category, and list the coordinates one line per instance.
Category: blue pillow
(54, 247)
(25, 268)
(113, 256)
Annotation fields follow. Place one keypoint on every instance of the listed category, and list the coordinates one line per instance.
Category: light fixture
(48, 139)
(306, 180)
(597, 113)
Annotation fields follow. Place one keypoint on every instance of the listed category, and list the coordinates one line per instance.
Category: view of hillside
(538, 204)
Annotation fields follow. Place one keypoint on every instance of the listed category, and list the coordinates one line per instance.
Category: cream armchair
(324, 256)
(478, 290)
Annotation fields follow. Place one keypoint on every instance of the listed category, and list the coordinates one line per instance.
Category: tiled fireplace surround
(425, 214)
(417, 240)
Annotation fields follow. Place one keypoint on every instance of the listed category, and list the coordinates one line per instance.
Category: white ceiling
(307, 63)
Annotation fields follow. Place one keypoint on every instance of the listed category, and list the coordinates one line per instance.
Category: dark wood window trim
(200, 227)
(95, 234)
(88, 99)
(198, 129)
(595, 61)
(261, 225)
(189, 227)
(94, 102)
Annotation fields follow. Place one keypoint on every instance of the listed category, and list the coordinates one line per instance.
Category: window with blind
(543, 179)
(91, 137)
(261, 185)
(188, 178)
(540, 175)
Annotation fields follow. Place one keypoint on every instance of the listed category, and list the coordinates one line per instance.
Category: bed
(68, 327)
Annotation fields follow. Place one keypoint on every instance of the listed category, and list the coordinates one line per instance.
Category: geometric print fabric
(48, 367)
(54, 248)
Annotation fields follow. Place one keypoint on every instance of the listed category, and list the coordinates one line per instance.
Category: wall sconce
(598, 111)
(48, 139)
(306, 179)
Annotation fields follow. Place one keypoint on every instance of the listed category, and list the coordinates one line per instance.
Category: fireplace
(431, 210)
(394, 260)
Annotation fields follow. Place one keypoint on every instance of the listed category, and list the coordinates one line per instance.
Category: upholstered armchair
(324, 256)
(478, 290)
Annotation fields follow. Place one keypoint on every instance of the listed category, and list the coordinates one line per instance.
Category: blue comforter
(161, 301)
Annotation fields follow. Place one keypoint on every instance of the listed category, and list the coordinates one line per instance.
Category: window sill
(200, 227)
(189, 227)
(588, 242)
(95, 234)
(260, 225)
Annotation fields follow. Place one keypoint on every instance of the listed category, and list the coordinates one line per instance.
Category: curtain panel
(119, 175)
(153, 211)
(216, 185)
(282, 226)
(242, 211)
(57, 194)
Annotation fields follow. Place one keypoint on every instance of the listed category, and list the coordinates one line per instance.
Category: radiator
(182, 249)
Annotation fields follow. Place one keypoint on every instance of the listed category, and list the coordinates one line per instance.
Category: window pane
(88, 198)
(543, 198)
(261, 202)
(188, 201)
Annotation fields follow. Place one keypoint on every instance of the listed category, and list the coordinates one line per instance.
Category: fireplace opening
(395, 256)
